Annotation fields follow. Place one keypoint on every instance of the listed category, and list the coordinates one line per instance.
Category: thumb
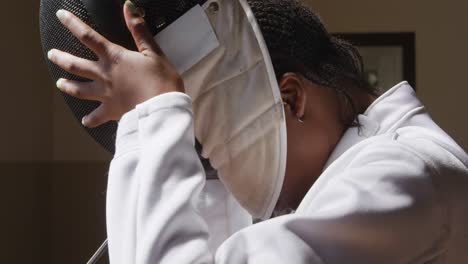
(96, 118)
(137, 26)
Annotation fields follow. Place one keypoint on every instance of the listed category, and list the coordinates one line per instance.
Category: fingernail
(50, 54)
(60, 83)
(131, 6)
(61, 14)
(83, 121)
(136, 11)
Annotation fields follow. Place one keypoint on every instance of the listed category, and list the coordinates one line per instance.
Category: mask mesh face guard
(159, 14)
(55, 35)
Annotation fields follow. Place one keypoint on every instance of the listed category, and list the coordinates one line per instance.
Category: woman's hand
(121, 78)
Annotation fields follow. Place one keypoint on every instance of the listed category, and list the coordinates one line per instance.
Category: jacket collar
(384, 115)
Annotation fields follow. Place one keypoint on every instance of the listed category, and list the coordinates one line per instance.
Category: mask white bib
(239, 116)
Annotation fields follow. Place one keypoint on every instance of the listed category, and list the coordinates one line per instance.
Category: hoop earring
(300, 120)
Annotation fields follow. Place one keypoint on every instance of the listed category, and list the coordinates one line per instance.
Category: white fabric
(395, 193)
(188, 40)
(239, 115)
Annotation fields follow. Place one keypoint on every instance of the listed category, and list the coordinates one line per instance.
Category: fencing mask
(218, 48)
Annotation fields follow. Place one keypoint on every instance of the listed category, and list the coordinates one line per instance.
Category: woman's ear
(293, 93)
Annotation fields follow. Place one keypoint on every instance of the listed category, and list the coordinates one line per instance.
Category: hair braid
(299, 42)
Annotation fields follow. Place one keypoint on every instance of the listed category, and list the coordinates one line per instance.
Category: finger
(81, 90)
(85, 34)
(74, 65)
(96, 118)
(137, 26)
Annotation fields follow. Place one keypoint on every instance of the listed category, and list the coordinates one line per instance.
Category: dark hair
(298, 42)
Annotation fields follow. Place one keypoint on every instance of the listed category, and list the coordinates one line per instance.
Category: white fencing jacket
(395, 191)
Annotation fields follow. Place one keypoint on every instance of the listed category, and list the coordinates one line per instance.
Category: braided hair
(299, 42)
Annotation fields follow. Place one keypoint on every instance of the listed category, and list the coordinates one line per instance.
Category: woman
(371, 178)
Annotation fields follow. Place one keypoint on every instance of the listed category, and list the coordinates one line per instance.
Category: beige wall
(441, 48)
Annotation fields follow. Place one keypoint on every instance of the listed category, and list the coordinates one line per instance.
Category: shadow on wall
(52, 212)
(55, 213)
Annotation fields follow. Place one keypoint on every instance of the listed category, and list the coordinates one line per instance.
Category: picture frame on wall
(389, 58)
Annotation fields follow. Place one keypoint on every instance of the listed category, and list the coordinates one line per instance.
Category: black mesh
(159, 14)
(55, 35)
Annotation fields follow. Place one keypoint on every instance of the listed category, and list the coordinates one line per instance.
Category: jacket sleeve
(155, 180)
